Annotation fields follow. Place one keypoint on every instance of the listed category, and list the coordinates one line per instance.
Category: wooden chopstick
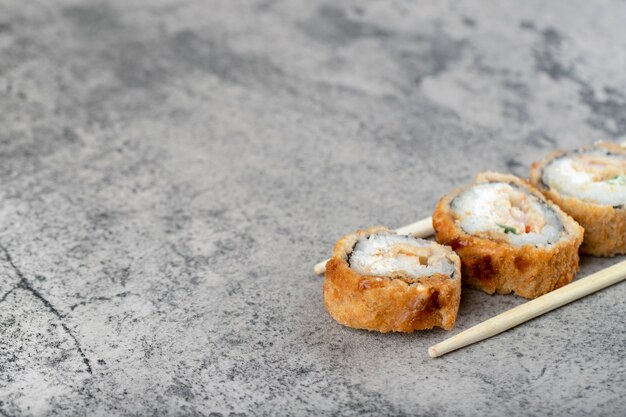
(532, 309)
(422, 228)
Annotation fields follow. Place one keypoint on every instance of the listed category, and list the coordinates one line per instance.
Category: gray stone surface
(171, 170)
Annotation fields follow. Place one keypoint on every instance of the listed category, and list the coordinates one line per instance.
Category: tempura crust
(388, 304)
(605, 226)
(496, 266)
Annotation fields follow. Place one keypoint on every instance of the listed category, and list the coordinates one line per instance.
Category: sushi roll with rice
(509, 238)
(379, 280)
(590, 185)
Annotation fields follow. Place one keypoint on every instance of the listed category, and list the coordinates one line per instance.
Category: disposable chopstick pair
(531, 309)
(521, 313)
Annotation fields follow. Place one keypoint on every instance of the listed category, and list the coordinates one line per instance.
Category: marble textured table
(171, 170)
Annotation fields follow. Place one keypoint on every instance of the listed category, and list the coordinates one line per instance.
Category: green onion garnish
(508, 229)
(617, 180)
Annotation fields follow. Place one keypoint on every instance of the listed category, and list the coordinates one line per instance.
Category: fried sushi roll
(508, 236)
(590, 185)
(379, 280)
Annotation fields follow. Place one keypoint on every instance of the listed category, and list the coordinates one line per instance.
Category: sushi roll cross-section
(508, 236)
(379, 280)
(590, 185)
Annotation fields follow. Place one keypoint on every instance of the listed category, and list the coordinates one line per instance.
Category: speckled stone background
(171, 170)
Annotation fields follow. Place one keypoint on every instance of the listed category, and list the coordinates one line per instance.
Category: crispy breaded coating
(605, 226)
(495, 265)
(388, 303)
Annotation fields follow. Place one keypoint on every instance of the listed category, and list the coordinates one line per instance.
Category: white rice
(378, 255)
(500, 210)
(605, 185)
